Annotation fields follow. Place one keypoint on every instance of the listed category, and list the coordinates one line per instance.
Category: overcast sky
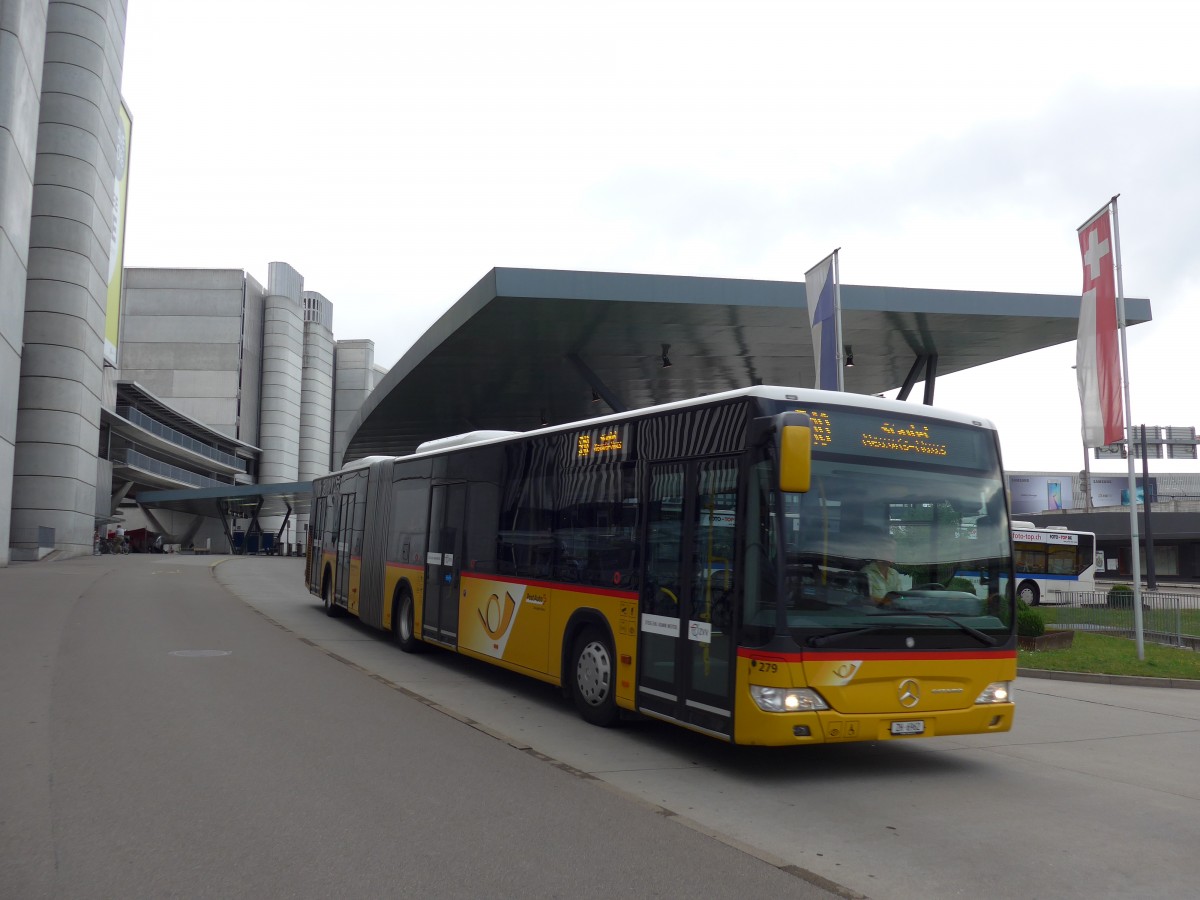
(394, 152)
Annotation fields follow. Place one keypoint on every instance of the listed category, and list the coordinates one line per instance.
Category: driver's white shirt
(882, 583)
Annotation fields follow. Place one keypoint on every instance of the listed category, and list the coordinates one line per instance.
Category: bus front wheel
(592, 677)
(1028, 591)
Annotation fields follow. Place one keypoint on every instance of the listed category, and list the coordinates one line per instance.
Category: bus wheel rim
(593, 674)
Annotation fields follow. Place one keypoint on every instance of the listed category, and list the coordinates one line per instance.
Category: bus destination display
(607, 444)
(859, 433)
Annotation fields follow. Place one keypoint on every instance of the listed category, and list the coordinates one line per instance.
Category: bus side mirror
(795, 456)
(792, 434)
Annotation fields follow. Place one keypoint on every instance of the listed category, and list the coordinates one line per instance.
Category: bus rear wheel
(403, 619)
(331, 608)
(1028, 591)
(592, 676)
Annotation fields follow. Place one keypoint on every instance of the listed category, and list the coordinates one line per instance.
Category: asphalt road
(315, 759)
(161, 739)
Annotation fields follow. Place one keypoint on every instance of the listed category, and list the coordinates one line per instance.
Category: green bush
(1029, 621)
(1002, 607)
(960, 584)
(1120, 596)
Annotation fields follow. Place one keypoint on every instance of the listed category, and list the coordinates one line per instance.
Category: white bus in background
(1053, 558)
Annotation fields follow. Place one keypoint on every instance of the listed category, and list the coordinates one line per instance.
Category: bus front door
(685, 648)
(443, 562)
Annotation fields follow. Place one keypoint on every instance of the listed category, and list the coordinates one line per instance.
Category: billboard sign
(1034, 494)
(1181, 442)
(116, 246)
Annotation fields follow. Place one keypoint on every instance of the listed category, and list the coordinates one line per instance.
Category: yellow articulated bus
(769, 566)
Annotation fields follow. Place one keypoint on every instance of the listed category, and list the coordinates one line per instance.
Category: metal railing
(1167, 618)
(149, 464)
(180, 439)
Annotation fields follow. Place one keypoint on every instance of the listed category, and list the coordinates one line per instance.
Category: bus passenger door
(345, 537)
(443, 562)
(315, 544)
(685, 649)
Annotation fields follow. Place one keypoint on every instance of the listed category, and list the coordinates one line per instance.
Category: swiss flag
(1098, 359)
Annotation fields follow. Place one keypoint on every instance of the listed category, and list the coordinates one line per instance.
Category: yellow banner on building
(116, 247)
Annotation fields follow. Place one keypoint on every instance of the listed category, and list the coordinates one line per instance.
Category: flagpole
(1133, 516)
(837, 318)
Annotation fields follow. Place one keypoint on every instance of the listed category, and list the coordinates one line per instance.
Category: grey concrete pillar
(283, 359)
(22, 43)
(316, 396)
(78, 146)
(316, 388)
(354, 377)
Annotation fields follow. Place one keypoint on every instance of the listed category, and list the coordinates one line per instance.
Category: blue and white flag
(820, 283)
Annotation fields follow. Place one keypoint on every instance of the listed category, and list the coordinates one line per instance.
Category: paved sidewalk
(1094, 678)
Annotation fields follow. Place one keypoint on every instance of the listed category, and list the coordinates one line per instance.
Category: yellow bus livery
(770, 566)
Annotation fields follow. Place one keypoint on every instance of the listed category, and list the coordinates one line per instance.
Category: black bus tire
(403, 622)
(1028, 591)
(331, 608)
(593, 677)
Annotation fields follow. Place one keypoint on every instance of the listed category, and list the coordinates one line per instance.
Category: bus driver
(882, 577)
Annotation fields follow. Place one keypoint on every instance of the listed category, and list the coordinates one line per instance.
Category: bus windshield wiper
(836, 637)
(981, 636)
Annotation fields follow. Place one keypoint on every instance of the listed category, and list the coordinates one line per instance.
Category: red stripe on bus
(413, 566)
(745, 653)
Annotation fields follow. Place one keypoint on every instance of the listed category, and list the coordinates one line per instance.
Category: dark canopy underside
(526, 347)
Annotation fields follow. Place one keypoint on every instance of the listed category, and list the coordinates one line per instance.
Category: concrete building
(146, 443)
(357, 376)
(194, 339)
(241, 363)
(283, 359)
(316, 388)
(62, 163)
(129, 380)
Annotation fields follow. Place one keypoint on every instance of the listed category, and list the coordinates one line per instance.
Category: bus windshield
(876, 551)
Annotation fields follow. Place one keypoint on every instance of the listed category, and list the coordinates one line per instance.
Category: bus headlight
(773, 699)
(996, 692)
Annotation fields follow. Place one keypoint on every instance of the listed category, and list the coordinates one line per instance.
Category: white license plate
(908, 728)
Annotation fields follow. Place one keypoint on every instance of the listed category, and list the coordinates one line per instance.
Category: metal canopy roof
(526, 347)
(241, 501)
(253, 502)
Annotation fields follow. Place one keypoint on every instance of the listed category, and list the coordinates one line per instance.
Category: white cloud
(395, 152)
